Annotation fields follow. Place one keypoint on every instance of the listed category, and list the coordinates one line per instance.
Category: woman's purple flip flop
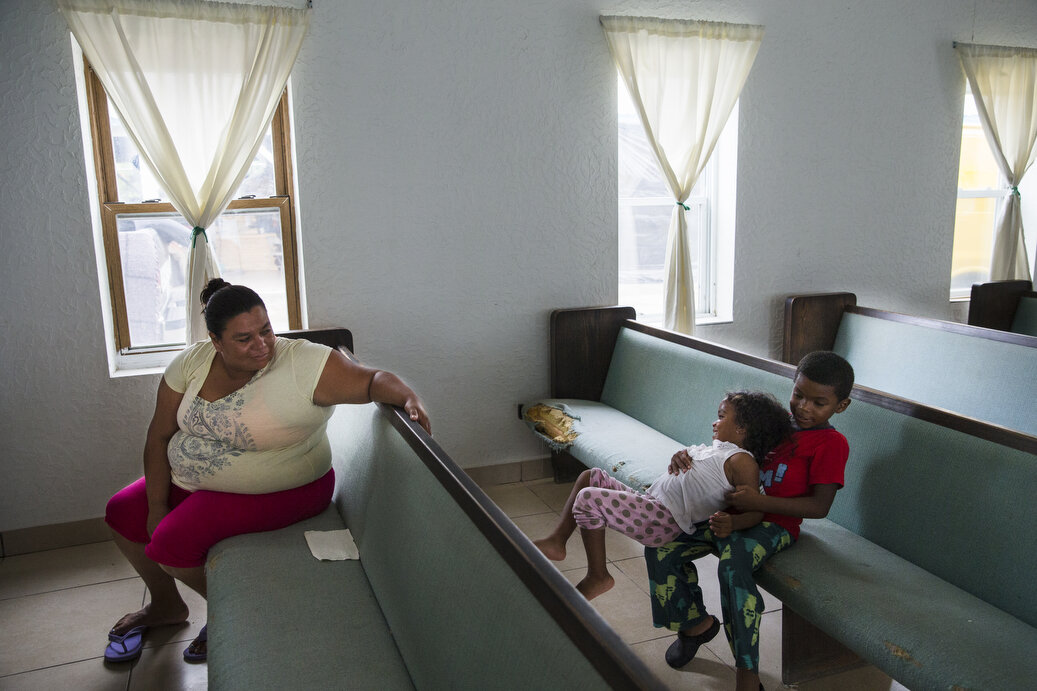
(193, 656)
(127, 647)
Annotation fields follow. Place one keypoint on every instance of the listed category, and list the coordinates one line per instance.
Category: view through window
(645, 207)
(981, 191)
(147, 242)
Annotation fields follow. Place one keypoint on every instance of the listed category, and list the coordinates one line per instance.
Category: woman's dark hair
(828, 369)
(222, 301)
(766, 422)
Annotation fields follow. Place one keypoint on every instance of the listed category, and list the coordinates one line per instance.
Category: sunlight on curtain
(196, 84)
(684, 78)
(1004, 84)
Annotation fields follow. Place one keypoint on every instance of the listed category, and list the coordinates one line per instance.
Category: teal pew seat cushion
(281, 619)
(898, 616)
(628, 450)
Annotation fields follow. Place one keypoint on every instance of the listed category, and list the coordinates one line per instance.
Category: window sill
(699, 321)
(143, 362)
(712, 320)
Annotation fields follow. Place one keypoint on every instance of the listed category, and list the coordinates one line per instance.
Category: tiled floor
(534, 507)
(55, 611)
(57, 606)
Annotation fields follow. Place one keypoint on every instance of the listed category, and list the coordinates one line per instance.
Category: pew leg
(808, 653)
(565, 467)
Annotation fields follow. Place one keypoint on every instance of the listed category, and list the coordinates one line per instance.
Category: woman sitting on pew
(237, 444)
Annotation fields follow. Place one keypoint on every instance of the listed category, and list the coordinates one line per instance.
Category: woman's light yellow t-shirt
(265, 437)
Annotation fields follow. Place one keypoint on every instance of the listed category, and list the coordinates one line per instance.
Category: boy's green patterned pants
(677, 598)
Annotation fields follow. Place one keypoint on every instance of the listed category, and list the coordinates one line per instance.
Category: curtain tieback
(686, 207)
(198, 230)
(1015, 190)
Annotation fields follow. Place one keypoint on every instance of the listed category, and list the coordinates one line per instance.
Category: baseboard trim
(516, 471)
(56, 536)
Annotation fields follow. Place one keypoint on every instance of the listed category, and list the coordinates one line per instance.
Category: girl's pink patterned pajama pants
(610, 503)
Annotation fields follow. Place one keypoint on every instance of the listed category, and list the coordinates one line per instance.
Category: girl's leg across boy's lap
(673, 581)
(607, 502)
(183, 538)
(741, 554)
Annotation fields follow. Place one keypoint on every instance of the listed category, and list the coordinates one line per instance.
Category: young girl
(748, 426)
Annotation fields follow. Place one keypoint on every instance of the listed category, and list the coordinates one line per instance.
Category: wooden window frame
(111, 206)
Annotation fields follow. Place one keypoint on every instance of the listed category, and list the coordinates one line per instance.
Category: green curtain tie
(1015, 191)
(198, 230)
(686, 207)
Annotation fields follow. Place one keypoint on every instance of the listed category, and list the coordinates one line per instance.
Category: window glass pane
(247, 245)
(154, 254)
(973, 243)
(153, 249)
(977, 170)
(645, 207)
(136, 183)
(643, 237)
(980, 189)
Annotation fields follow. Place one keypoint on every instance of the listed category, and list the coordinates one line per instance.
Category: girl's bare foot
(551, 548)
(151, 616)
(593, 586)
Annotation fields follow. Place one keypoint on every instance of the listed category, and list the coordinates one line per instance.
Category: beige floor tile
(516, 500)
(619, 547)
(706, 671)
(163, 669)
(89, 675)
(62, 626)
(182, 635)
(625, 608)
(552, 493)
(636, 571)
(537, 526)
(40, 572)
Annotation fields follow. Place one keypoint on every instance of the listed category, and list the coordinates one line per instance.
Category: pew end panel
(993, 305)
(581, 348)
(811, 323)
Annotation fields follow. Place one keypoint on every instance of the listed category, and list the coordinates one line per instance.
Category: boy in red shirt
(800, 479)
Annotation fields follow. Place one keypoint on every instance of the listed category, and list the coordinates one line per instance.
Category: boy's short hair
(829, 369)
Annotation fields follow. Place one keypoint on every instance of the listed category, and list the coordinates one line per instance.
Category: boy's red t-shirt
(815, 456)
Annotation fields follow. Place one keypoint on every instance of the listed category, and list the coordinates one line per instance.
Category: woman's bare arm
(156, 457)
(346, 381)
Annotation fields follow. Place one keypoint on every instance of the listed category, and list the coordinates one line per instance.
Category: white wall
(457, 175)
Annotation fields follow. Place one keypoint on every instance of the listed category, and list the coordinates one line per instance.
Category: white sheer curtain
(197, 84)
(1004, 84)
(684, 78)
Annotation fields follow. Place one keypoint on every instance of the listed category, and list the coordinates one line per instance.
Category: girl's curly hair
(767, 423)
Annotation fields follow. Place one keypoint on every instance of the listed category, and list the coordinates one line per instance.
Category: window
(645, 206)
(981, 191)
(146, 241)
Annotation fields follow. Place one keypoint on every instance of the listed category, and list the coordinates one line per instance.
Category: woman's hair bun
(210, 289)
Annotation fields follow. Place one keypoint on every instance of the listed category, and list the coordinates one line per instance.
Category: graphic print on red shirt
(815, 456)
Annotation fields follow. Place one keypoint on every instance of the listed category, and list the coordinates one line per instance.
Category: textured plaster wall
(70, 434)
(457, 168)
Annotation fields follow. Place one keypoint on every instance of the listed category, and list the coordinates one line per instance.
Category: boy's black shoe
(683, 650)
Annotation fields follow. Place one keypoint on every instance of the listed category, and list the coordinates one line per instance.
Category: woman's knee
(127, 512)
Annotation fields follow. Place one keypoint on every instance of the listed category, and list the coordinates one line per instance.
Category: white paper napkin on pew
(331, 545)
